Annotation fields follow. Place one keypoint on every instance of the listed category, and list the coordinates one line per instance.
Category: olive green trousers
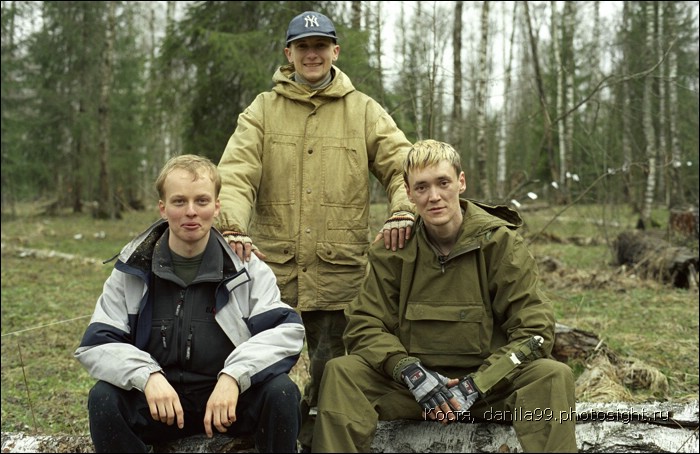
(540, 404)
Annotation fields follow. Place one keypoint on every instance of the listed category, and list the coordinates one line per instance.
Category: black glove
(466, 392)
(428, 387)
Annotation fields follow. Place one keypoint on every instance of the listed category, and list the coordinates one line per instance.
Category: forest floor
(52, 274)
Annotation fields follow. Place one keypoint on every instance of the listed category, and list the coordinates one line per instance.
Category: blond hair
(429, 152)
(196, 165)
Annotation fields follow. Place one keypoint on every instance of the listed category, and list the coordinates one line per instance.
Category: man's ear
(408, 192)
(462, 182)
(336, 52)
(161, 208)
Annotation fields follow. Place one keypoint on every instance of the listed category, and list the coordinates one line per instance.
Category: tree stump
(684, 222)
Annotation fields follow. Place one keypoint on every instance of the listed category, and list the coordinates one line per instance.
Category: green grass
(47, 303)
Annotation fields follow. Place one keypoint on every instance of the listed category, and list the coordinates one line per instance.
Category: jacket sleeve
(519, 305)
(276, 330)
(107, 349)
(387, 149)
(240, 167)
(373, 316)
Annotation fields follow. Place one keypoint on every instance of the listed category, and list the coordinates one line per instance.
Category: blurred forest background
(563, 101)
(585, 107)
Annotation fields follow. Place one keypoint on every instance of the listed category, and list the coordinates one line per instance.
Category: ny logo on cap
(310, 21)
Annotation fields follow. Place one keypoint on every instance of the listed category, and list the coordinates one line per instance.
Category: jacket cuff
(395, 364)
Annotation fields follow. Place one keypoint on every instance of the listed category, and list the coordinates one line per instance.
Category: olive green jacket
(458, 314)
(295, 177)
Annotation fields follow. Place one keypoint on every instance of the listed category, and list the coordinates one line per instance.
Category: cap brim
(307, 35)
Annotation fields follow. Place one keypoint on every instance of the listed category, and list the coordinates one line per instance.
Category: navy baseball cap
(310, 23)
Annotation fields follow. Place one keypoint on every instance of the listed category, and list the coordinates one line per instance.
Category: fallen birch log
(612, 427)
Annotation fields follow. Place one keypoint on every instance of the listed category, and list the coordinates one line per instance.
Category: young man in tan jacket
(296, 187)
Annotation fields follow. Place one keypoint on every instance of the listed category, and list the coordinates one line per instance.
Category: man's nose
(434, 193)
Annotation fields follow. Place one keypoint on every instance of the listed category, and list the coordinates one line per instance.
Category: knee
(342, 366)
(103, 401)
(282, 389)
(558, 375)
(561, 372)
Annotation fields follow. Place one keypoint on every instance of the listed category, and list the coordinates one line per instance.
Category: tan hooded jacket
(295, 177)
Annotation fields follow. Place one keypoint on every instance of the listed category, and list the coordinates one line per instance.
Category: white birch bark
(648, 124)
(484, 180)
(561, 108)
(502, 162)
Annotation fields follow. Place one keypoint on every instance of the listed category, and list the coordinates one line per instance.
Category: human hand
(466, 392)
(221, 406)
(430, 390)
(242, 245)
(397, 230)
(163, 401)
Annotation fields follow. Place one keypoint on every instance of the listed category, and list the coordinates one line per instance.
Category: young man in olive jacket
(296, 187)
(440, 317)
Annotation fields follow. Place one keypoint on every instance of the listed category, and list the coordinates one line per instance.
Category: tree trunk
(482, 170)
(547, 141)
(647, 120)
(502, 162)
(655, 258)
(612, 427)
(569, 27)
(677, 197)
(557, 28)
(106, 204)
(456, 129)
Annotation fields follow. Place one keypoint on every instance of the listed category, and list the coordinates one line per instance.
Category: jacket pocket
(445, 329)
(279, 175)
(279, 259)
(345, 177)
(340, 272)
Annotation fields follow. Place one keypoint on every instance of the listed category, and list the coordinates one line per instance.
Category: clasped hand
(439, 394)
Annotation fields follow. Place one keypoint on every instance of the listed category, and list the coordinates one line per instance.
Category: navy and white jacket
(266, 335)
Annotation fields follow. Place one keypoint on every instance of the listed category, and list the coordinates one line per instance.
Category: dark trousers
(324, 341)
(120, 421)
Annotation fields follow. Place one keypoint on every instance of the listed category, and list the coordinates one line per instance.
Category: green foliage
(229, 52)
(183, 90)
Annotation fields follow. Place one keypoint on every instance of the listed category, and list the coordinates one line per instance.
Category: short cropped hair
(196, 165)
(429, 152)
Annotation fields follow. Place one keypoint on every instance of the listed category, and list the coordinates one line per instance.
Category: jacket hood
(480, 217)
(285, 86)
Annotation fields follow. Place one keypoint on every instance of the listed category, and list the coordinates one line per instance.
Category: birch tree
(569, 32)
(676, 195)
(502, 161)
(661, 90)
(647, 121)
(626, 111)
(556, 28)
(481, 94)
